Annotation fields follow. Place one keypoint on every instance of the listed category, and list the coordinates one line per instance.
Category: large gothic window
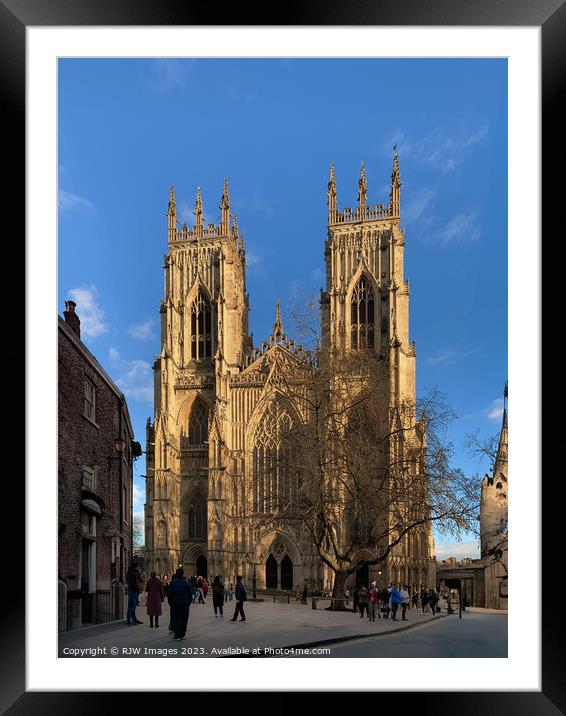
(201, 328)
(197, 519)
(274, 478)
(198, 424)
(362, 315)
(161, 536)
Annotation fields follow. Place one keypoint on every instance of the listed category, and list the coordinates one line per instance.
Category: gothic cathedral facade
(210, 420)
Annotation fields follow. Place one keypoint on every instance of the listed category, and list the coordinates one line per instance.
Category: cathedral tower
(204, 325)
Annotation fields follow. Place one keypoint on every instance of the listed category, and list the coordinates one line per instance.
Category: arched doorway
(271, 572)
(202, 566)
(286, 573)
(362, 576)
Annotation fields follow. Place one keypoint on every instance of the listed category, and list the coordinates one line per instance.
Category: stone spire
(331, 195)
(500, 467)
(225, 208)
(362, 187)
(171, 215)
(198, 213)
(395, 196)
(278, 325)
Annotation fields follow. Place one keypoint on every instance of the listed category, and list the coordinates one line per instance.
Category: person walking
(133, 581)
(355, 594)
(200, 591)
(305, 594)
(155, 596)
(373, 602)
(180, 598)
(395, 599)
(433, 600)
(415, 599)
(363, 601)
(424, 600)
(218, 596)
(241, 597)
(405, 602)
(205, 587)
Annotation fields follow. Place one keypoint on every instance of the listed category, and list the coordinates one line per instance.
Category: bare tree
(357, 470)
(138, 536)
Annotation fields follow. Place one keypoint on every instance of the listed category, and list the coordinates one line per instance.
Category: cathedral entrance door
(271, 572)
(362, 576)
(202, 566)
(286, 573)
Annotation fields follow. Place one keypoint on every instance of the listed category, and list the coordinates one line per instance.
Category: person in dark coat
(180, 598)
(241, 597)
(218, 596)
(155, 596)
(305, 594)
(133, 580)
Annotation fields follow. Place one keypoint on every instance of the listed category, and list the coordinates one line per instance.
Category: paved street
(475, 635)
(267, 625)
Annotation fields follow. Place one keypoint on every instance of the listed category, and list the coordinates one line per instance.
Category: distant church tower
(493, 522)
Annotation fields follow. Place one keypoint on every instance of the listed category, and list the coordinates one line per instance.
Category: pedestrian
(229, 593)
(134, 584)
(424, 600)
(218, 596)
(363, 601)
(405, 602)
(200, 591)
(384, 600)
(373, 602)
(180, 598)
(155, 597)
(433, 600)
(355, 594)
(241, 597)
(305, 593)
(415, 599)
(205, 587)
(395, 600)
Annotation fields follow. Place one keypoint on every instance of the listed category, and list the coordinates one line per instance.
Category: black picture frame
(550, 16)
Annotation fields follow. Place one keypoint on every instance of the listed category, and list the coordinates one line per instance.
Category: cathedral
(212, 421)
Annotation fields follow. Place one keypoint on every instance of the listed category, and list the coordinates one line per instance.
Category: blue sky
(128, 129)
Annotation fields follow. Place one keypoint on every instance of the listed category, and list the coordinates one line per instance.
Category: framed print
(188, 185)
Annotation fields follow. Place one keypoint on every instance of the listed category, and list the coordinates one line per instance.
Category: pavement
(479, 634)
(268, 626)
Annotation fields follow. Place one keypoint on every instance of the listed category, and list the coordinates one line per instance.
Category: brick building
(96, 453)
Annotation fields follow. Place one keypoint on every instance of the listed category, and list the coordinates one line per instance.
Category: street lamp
(254, 577)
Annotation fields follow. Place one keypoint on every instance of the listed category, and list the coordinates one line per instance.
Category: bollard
(313, 603)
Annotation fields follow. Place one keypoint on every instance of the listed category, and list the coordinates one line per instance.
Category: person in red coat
(155, 596)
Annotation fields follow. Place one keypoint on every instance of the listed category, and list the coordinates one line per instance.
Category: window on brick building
(89, 477)
(90, 400)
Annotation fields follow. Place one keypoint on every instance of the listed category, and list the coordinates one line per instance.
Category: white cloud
(462, 228)
(445, 152)
(445, 356)
(139, 498)
(133, 377)
(136, 381)
(460, 550)
(449, 355)
(69, 201)
(417, 203)
(438, 149)
(143, 331)
(168, 73)
(89, 311)
(495, 411)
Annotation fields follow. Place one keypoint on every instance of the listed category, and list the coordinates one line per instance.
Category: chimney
(71, 318)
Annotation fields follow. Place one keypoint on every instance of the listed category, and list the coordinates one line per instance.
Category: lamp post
(254, 577)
